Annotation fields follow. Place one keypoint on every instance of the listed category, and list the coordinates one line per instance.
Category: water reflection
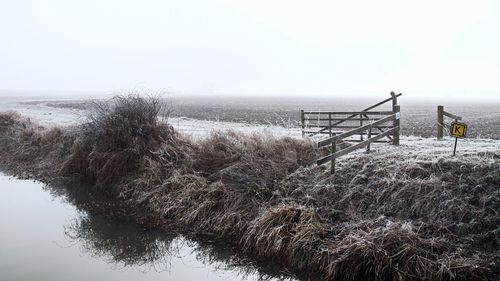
(126, 245)
(122, 244)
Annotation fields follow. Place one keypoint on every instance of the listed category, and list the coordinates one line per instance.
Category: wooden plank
(324, 133)
(341, 132)
(354, 147)
(384, 112)
(346, 139)
(316, 125)
(354, 127)
(386, 141)
(341, 119)
(366, 109)
(363, 133)
(382, 102)
(452, 116)
(356, 131)
(343, 126)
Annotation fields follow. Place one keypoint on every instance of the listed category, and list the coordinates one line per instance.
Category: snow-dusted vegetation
(407, 212)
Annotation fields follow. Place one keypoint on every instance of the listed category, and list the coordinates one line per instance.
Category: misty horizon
(280, 48)
(408, 97)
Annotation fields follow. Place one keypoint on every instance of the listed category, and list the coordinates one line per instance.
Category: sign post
(458, 130)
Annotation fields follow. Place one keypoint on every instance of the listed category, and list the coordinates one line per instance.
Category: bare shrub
(118, 134)
(8, 119)
(122, 121)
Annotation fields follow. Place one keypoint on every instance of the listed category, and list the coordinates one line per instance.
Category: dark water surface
(43, 237)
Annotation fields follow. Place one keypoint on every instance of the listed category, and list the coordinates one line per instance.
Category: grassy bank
(379, 218)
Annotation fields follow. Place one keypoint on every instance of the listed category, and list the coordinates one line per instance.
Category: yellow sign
(458, 130)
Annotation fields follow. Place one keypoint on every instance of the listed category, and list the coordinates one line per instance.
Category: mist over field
(219, 47)
(419, 115)
(250, 140)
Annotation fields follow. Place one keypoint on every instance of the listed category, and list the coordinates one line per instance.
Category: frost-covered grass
(419, 148)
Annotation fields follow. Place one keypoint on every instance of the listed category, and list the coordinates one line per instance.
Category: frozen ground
(40, 111)
(418, 117)
(201, 128)
(44, 114)
(419, 148)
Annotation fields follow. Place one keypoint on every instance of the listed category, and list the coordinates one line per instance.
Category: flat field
(418, 117)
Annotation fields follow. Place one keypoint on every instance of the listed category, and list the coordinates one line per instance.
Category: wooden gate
(375, 125)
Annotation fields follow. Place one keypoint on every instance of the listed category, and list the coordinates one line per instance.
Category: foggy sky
(261, 47)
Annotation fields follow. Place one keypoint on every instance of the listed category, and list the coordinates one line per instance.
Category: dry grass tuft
(290, 232)
(222, 149)
(391, 252)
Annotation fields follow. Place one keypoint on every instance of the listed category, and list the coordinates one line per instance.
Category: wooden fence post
(440, 122)
(394, 99)
(330, 124)
(397, 110)
(361, 124)
(332, 163)
(303, 121)
(369, 142)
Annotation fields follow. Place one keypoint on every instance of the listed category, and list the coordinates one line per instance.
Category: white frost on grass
(419, 148)
(48, 116)
(203, 128)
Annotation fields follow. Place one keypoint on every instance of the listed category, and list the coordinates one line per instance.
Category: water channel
(43, 236)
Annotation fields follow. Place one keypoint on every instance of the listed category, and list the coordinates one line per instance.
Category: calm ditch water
(44, 237)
